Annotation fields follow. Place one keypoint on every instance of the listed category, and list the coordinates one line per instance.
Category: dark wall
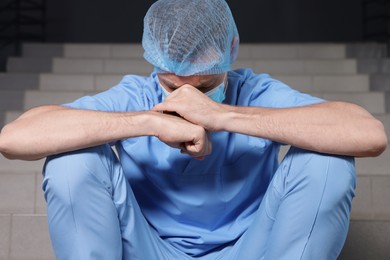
(257, 20)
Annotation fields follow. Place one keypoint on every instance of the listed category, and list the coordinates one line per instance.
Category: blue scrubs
(238, 203)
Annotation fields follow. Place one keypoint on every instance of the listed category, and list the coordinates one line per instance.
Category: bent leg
(83, 220)
(305, 211)
(92, 211)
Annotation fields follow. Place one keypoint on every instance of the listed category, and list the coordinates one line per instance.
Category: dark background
(257, 20)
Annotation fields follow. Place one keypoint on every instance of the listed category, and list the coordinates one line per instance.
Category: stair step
(10, 116)
(18, 166)
(42, 50)
(29, 64)
(373, 66)
(39, 98)
(247, 51)
(326, 83)
(18, 81)
(305, 83)
(103, 66)
(366, 50)
(278, 50)
(380, 82)
(300, 67)
(378, 166)
(67, 82)
(103, 51)
(385, 119)
(292, 51)
(373, 102)
(11, 99)
(25, 236)
(367, 240)
(20, 191)
(140, 66)
(371, 199)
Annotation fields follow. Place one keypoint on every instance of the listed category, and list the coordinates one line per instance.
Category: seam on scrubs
(71, 203)
(100, 180)
(318, 208)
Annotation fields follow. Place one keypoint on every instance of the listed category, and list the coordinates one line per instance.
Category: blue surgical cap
(190, 37)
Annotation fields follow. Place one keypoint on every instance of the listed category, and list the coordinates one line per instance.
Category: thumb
(159, 107)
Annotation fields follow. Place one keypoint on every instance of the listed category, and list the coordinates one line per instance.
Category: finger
(159, 107)
(200, 158)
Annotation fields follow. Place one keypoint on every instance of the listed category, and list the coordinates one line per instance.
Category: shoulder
(132, 93)
(262, 90)
(246, 78)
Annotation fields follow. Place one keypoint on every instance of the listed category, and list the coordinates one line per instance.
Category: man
(197, 175)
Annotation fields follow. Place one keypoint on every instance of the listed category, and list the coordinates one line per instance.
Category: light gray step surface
(102, 66)
(379, 166)
(366, 50)
(19, 166)
(18, 81)
(39, 98)
(21, 192)
(326, 83)
(372, 198)
(385, 119)
(25, 237)
(367, 240)
(11, 115)
(299, 66)
(373, 102)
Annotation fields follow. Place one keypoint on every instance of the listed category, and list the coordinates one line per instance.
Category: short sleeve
(132, 93)
(264, 91)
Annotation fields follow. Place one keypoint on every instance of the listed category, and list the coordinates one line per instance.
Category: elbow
(6, 143)
(378, 140)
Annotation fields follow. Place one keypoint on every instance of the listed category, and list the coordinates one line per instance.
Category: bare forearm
(332, 127)
(53, 129)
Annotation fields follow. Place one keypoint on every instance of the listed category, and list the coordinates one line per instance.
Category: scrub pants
(93, 214)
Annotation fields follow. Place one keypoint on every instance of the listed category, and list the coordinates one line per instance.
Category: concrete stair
(60, 73)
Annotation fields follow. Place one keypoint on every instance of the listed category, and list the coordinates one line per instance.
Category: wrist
(149, 122)
(225, 118)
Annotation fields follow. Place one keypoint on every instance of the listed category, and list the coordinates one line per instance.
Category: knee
(335, 173)
(68, 173)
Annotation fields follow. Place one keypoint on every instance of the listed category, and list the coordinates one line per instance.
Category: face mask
(217, 94)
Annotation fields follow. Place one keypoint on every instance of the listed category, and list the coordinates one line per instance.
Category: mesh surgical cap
(190, 37)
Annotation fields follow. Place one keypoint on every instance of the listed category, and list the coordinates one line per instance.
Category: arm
(48, 130)
(330, 127)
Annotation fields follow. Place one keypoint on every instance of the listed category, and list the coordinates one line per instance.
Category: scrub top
(197, 206)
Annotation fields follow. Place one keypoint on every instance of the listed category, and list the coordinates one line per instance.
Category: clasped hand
(196, 116)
